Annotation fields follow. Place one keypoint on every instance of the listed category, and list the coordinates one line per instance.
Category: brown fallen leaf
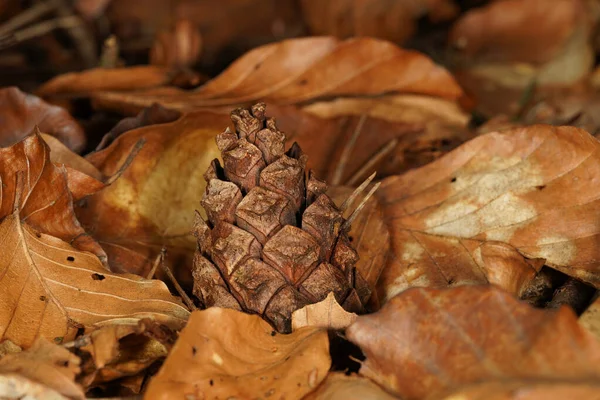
(45, 371)
(227, 354)
(21, 113)
(427, 343)
(50, 289)
(590, 319)
(494, 210)
(116, 351)
(391, 20)
(326, 314)
(338, 386)
(305, 69)
(152, 204)
(125, 78)
(529, 390)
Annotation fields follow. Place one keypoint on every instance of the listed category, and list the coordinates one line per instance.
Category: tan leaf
(306, 69)
(42, 372)
(338, 386)
(122, 350)
(229, 354)
(152, 204)
(392, 20)
(326, 314)
(529, 390)
(590, 319)
(49, 289)
(428, 342)
(491, 209)
(22, 112)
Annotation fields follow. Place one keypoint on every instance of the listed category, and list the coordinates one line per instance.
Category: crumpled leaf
(46, 202)
(428, 342)
(494, 210)
(338, 386)
(326, 314)
(20, 113)
(122, 350)
(305, 69)
(49, 289)
(529, 390)
(391, 20)
(45, 371)
(152, 203)
(229, 354)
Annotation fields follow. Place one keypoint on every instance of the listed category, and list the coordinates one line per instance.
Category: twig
(352, 217)
(25, 17)
(160, 258)
(134, 152)
(375, 158)
(336, 178)
(37, 30)
(357, 192)
(188, 302)
(83, 40)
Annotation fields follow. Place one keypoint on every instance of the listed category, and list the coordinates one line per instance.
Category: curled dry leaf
(326, 314)
(45, 203)
(122, 350)
(20, 113)
(338, 386)
(306, 69)
(428, 342)
(178, 47)
(152, 204)
(529, 390)
(229, 354)
(45, 371)
(495, 210)
(386, 19)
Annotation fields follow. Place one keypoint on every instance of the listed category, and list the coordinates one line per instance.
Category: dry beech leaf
(229, 354)
(46, 202)
(21, 113)
(122, 350)
(529, 390)
(517, 30)
(152, 204)
(427, 342)
(590, 319)
(306, 69)
(45, 371)
(338, 386)
(125, 78)
(494, 210)
(326, 314)
(386, 19)
(50, 289)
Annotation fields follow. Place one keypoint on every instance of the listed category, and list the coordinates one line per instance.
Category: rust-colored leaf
(45, 371)
(228, 354)
(21, 113)
(428, 342)
(386, 19)
(306, 69)
(495, 210)
(529, 390)
(338, 386)
(326, 314)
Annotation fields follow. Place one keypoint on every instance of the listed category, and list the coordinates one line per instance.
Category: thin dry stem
(362, 204)
(186, 299)
(336, 179)
(357, 192)
(373, 160)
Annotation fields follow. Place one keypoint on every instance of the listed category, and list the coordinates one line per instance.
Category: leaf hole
(71, 258)
(194, 350)
(211, 382)
(273, 333)
(453, 180)
(541, 187)
(351, 239)
(43, 298)
(38, 235)
(98, 277)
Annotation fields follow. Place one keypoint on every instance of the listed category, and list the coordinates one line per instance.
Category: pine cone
(274, 241)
